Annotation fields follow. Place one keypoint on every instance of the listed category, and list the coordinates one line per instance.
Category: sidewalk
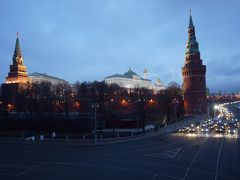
(90, 142)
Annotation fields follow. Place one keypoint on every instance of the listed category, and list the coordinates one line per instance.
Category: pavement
(166, 155)
(149, 132)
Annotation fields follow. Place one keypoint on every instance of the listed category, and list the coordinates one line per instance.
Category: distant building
(158, 85)
(132, 80)
(41, 77)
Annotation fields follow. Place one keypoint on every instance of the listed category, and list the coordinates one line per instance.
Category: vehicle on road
(182, 130)
(232, 131)
(205, 129)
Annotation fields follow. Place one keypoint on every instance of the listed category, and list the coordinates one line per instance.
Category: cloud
(223, 73)
(225, 66)
(88, 40)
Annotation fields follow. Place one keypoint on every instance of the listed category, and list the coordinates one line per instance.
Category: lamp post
(95, 106)
(175, 102)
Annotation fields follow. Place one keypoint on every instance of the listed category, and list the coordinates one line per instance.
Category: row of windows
(194, 78)
(188, 73)
(192, 65)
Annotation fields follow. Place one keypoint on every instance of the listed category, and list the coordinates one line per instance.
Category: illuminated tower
(18, 72)
(193, 72)
(17, 78)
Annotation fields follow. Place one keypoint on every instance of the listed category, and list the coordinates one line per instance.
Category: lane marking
(193, 160)
(30, 169)
(152, 148)
(218, 159)
(169, 153)
(23, 170)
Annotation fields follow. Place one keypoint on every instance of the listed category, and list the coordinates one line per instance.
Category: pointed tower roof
(18, 71)
(192, 44)
(190, 21)
(17, 51)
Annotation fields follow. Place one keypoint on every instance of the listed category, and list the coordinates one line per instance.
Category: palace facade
(131, 80)
(42, 77)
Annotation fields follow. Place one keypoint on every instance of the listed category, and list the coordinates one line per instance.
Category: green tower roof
(190, 22)
(17, 51)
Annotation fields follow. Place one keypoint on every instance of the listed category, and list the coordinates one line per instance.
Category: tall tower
(193, 72)
(18, 72)
(17, 78)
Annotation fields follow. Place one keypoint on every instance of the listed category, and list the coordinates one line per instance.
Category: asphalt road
(160, 157)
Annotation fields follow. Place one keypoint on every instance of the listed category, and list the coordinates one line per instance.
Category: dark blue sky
(89, 40)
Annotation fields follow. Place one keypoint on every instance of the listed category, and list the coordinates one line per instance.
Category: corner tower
(16, 80)
(18, 72)
(194, 76)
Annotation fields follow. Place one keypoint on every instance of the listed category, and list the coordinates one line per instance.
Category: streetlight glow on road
(223, 125)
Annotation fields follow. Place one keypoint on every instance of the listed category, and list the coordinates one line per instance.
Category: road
(168, 156)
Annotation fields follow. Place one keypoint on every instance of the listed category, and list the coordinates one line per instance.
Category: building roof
(17, 51)
(37, 74)
(192, 44)
(128, 75)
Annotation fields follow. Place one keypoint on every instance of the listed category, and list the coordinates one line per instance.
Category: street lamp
(95, 106)
(175, 102)
(215, 108)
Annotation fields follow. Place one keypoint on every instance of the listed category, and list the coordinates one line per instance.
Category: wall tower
(194, 80)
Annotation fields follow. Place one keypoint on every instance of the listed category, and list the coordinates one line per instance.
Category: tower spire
(190, 20)
(18, 72)
(192, 44)
(17, 56)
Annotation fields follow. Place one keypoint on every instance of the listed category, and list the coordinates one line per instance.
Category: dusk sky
(87, 40)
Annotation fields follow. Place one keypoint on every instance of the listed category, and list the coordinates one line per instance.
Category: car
(219, 129)
(212, 127)
(220, 125)
(232, 130)
(182, 130)
(192, 129)
(233, 124)
(198, 128)
(205, 129)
